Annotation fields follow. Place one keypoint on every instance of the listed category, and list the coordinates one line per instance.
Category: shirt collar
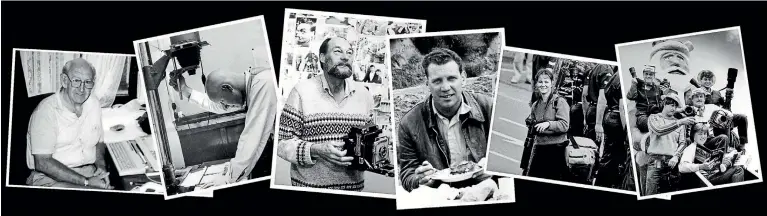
(347, 85)
(465, 108)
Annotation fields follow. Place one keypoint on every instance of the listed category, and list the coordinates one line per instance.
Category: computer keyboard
(121, 154)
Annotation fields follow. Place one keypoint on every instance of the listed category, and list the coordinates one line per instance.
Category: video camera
(370, 152)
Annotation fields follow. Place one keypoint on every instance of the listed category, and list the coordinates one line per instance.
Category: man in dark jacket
(449, 127)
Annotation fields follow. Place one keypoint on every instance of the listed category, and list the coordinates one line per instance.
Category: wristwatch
(86, 182)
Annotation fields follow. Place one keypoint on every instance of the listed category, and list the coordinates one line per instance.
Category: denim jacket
(419, 139)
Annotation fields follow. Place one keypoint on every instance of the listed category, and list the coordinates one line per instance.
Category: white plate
(445, 176)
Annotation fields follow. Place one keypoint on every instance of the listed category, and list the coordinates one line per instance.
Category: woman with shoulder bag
(549, 121)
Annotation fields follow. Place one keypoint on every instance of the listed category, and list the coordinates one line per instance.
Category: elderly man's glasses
(75, 83)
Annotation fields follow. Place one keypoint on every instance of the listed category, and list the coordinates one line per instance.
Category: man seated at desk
(65, 140)
(228, 91)
(451, 126)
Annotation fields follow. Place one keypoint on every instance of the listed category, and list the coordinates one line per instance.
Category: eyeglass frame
(81, 82)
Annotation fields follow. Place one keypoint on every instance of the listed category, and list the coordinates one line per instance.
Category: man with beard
(228, 91)
(449, 128)
(317, 114)
(65, 139)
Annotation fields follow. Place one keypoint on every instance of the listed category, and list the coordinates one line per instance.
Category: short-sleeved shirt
(598, 80)
(54, 129)
(613, 92)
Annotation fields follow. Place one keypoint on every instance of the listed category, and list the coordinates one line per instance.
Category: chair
(23, 108)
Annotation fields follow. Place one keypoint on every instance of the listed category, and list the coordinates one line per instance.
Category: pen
(138, 150)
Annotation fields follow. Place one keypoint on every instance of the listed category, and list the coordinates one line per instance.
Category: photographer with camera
(450, 127)
(711, 158)
(317, 114)
(548, 122)
(664, 145)
(706, 103)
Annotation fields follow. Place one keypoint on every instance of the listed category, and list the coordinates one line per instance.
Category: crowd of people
(682, 134)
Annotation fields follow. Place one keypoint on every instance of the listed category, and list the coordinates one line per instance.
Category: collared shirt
(259, 121)
(71, 139)
(451, 129)
(311, 115)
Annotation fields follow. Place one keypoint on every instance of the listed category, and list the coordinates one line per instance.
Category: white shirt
(451, 130)
(261, 101)
(54, 129)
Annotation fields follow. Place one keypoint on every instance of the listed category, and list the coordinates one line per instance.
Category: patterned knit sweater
(312, 116)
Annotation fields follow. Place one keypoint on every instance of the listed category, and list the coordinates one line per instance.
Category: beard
(341, 70)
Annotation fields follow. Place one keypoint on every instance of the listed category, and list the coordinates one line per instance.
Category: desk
(186, 170)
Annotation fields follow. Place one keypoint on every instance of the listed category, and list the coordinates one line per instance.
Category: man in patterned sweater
(317, 114)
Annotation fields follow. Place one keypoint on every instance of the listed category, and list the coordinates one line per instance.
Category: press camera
(370, 152)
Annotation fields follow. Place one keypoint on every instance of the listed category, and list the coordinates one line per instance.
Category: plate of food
(458, 172)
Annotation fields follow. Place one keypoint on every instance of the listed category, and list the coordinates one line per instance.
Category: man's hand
(600, 133)
(674, 160)
(540, 127)
(218, 181)
(180, 86)
(332, 153)
(687, 121)
(100, 181)
(101, 169)
(708, 165)
(424, 172)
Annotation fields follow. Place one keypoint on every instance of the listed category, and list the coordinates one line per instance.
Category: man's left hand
(101, 169)
(600, 131)
(218, 181)
(674, 160)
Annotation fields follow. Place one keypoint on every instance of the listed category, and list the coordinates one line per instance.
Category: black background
(588, 29)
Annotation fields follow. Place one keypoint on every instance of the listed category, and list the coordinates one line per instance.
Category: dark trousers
(576, 120)
(612, 162)
(741, 121)
(548, 162)
(591, 120)
(641, 122)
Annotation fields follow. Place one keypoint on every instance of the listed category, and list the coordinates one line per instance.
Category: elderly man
(65, 139)
(316, 116)
(451, 126)
(228, 91)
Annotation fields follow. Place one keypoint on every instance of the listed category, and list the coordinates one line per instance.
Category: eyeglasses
(75, 83)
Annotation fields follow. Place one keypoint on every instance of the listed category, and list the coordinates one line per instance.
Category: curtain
(42, 71)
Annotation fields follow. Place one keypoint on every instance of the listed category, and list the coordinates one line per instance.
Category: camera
(721, 119)
(370, 152)
(688, 111)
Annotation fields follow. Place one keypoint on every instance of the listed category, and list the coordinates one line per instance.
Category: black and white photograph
(689, 113)
(335, 133)
(443, 86)
(560, 122)
(85, 128)
(212, 104)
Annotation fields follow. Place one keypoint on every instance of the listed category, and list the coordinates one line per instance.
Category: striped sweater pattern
(311, 116)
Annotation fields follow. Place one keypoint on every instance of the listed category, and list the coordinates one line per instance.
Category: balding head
(78, 78)
(226, 87)
(336, 56)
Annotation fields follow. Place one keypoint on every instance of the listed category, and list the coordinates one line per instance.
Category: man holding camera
(317, 114)
(707, 100)
(451, 126)
(664, 145)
